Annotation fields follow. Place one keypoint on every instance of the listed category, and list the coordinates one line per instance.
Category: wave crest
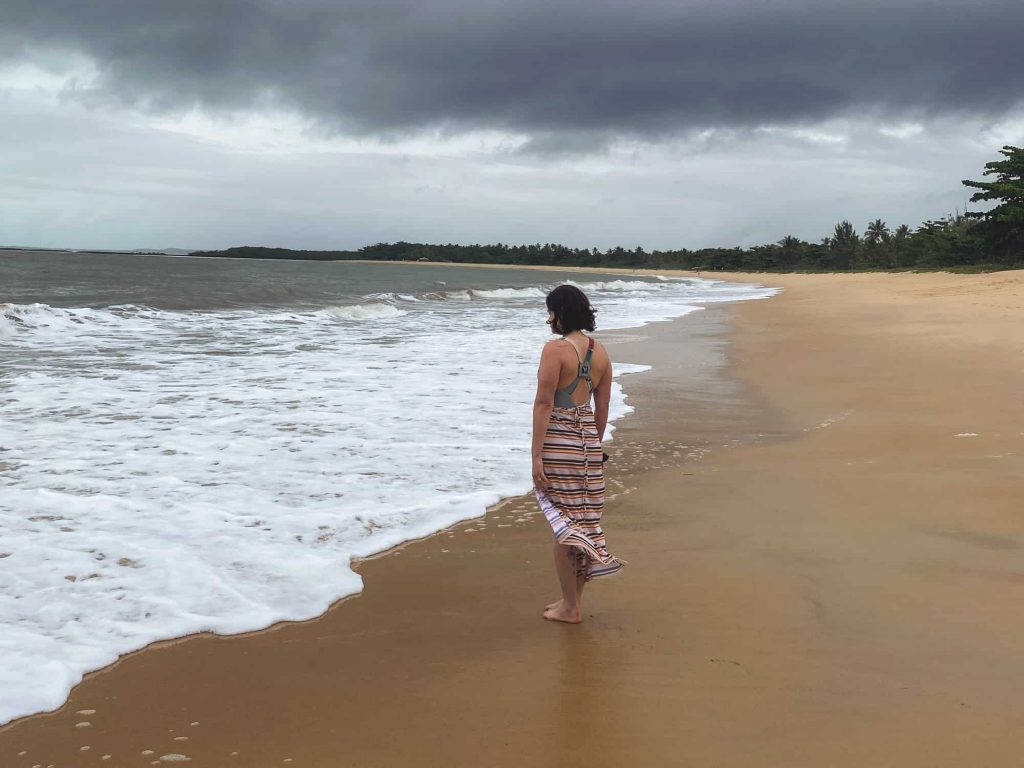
(360, 312)
(533, 292)
(18, 319)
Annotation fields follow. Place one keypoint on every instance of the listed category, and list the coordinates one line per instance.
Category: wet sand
(822, 507)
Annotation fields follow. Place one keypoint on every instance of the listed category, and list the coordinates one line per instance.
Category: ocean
(192, 444)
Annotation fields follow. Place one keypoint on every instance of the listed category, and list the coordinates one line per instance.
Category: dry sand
(837, 582)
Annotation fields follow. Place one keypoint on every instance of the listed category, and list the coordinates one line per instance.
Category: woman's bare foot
(555, 604)
(559, 612)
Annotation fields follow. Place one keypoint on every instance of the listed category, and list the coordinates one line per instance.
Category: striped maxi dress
(574, 502)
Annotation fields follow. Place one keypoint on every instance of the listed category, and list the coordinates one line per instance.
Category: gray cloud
(575, 67)
(90, 178)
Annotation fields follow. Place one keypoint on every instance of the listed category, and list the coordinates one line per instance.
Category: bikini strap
(580, 359)
(590, 350)
(582, 370)
(585, 364)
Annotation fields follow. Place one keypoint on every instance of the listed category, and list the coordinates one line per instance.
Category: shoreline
(639, 271)
(629, 345)
(616, 336)
(837, 587)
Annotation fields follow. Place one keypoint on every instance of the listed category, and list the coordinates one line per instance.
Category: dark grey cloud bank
(572, 68)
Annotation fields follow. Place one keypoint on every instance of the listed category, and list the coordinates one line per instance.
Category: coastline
(538, 267)
(703, 373)
(834, 584)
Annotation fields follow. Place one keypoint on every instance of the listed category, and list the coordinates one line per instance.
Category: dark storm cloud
(569, 68)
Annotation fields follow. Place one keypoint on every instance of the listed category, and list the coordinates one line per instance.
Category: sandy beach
(821, 507)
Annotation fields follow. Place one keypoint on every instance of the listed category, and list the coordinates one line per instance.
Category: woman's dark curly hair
(572, 310)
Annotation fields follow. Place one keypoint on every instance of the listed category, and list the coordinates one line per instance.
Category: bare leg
(568, 610)
(581, 582)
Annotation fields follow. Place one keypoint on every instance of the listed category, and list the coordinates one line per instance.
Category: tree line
(992, 239)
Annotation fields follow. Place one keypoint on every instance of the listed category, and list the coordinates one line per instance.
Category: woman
(568, 474)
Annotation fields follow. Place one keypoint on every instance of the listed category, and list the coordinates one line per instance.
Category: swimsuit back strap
(563, 396)
(585, 365)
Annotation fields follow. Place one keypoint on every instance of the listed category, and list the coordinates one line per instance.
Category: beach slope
(837, 582)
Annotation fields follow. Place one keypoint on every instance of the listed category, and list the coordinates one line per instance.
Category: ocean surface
(193, 444)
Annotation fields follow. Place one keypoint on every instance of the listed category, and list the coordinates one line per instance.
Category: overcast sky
(334, 124)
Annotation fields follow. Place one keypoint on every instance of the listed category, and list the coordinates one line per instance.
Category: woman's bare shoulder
(554, 347)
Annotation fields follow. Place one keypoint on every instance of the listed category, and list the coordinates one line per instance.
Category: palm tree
(876, 232)
(899, 239)
(845, 235)
(790, 250)
(844, 245)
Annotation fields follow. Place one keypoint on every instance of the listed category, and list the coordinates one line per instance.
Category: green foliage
(258, 252)
(1002, 227)
(959, 241)
(877, 232)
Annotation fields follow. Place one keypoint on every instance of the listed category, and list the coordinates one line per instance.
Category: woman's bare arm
(602, 396)
(547, 382)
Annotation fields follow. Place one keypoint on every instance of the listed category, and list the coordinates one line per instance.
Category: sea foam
(170, 472)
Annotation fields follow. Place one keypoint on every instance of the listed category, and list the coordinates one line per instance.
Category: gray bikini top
(563, 397)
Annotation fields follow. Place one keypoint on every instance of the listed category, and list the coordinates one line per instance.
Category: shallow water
(204, 444)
